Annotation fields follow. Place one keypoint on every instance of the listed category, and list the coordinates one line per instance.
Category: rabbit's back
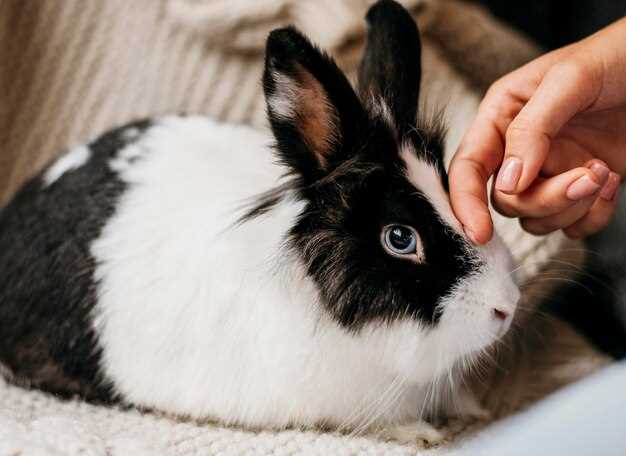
(140, 217)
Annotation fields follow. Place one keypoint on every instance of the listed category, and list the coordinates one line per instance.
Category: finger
(472, 166)
(480, 154)
(565, 90)
(468, 196)
(600, 214)
(551, 196)
(564, 219)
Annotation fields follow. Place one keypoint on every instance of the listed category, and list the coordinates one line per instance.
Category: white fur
(381, 109)
(203, 317)
(285, 95)
(73, 159)
(425, 177)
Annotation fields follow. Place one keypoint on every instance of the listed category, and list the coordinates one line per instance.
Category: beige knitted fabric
(70, 69)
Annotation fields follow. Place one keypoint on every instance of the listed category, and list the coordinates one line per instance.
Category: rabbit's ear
(313, 110)
(390, 72)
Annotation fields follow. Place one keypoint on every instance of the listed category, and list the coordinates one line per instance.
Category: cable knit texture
(71, 69)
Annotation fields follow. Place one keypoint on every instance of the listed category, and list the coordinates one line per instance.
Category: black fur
(47, 288)
(289, 52)
(364, 186)
(264, 203)
(391, 66)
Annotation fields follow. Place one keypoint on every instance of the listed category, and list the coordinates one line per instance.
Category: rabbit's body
(207, 300)
(175, 264)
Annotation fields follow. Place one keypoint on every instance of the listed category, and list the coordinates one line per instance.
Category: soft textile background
(70, 69)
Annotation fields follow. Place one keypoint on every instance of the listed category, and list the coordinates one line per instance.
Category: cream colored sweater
(70, 69)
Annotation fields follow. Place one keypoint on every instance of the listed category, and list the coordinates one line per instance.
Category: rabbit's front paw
(419, 432)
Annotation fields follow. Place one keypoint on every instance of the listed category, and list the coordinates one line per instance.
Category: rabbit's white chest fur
(219, 313)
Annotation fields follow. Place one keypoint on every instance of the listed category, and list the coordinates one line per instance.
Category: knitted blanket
(71, 69)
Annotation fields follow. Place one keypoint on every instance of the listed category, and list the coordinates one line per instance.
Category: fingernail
(582, 188)
(601, 172)
(610, 188)
(509, 175)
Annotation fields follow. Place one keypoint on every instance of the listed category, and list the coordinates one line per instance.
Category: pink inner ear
(316, 119)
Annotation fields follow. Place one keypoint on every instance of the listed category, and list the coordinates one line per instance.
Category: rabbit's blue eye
(400, 239)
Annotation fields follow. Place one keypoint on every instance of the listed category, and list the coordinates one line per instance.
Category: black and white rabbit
(318, 276)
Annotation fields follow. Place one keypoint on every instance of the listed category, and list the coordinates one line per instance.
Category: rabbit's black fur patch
(46, 319)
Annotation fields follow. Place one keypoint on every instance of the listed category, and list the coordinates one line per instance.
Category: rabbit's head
(378, 235)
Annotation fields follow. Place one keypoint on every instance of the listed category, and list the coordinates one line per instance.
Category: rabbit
(314, 275)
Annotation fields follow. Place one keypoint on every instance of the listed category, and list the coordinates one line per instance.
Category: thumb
(567, 89)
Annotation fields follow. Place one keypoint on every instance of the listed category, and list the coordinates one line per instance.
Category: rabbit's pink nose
(500, 314)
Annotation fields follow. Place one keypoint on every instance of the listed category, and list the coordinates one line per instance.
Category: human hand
(556, 131)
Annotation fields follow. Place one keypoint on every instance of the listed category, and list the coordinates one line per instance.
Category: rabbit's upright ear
(390, 72)
(312, 108)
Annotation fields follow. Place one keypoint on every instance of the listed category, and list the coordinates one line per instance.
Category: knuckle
(476, 166)
(504, 205)
(573, 233)
(550, 226)
(597, 220)
(543, 203)
(574, 71)
(536, 227)
(594, 221)
(515, 130)
(521, 128)
(497, 87)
